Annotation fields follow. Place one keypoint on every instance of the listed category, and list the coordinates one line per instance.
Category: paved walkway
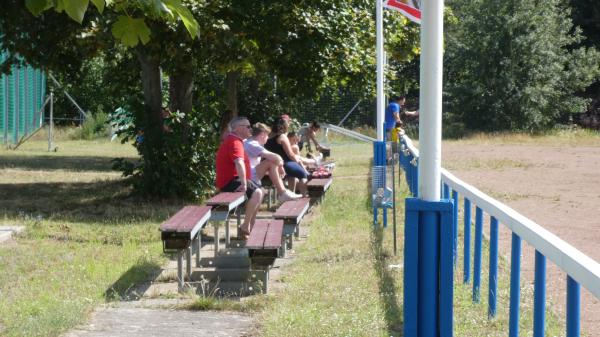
(154, 318)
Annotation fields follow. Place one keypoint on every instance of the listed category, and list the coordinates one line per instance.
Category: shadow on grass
(133, 283)
(103, 202)
(387, 282)
(70, 163)
(387, 286)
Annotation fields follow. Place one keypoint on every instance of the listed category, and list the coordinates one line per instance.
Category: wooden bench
(265, 244)
(178, 233)
(222, 204)
(292, 212)
(318, 187)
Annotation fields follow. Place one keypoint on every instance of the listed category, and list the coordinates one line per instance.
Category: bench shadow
(133, 283)
(51, 162)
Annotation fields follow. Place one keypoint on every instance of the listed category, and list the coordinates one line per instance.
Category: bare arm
(287, 147)
(313, 136)
(241, 171)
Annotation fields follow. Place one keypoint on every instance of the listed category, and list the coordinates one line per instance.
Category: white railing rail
(576, 264)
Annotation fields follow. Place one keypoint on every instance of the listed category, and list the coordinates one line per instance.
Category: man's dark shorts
(235, 183)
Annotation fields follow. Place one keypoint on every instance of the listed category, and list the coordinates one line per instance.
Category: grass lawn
(87, 242)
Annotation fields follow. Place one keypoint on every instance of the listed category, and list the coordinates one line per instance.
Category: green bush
(95, 126)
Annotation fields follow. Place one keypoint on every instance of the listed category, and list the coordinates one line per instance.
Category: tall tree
(511, 65)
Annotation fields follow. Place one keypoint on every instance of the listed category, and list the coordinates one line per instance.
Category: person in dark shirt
(292, 164)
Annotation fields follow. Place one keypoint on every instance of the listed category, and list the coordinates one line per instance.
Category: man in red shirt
(233, 170)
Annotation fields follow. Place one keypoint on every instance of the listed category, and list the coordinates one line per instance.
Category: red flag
(410, 8)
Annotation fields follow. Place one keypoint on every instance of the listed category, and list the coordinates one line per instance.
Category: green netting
(21, 97)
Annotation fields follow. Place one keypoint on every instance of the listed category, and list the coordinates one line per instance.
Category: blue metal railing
(580, 269)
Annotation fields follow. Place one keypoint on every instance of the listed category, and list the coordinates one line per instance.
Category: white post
(50, 123)
(380, 61)
(430, 100)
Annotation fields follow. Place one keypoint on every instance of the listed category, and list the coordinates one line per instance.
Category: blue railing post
(428, 269)
(446, 194)
(573, 307)
(455, 226)
(515, 286)
(477, 254)
(493, 280)
(467, 245)
(415, 178)
(539, 296)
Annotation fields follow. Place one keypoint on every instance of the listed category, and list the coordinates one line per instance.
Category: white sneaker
(288, 195)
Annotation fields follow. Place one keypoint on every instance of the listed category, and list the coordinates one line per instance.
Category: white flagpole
(380, 63)
(430, 100)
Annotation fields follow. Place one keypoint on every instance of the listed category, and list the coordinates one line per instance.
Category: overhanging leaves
(129, 31)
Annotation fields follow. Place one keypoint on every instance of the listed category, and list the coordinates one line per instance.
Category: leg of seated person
(302, 186)
(291, 181)
(252, 205)
(269, 167)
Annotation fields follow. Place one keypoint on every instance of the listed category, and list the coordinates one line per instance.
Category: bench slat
(274, 235)
(292, 209)
(257, 235)
(186, 219)
(228, 199)
(320, 183)
(266, 234)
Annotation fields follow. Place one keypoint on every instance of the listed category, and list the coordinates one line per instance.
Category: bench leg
(290, 241)
(216, 238)
(188, 263)
(297, 232)
(269, 199)
(180, 270)
(227, 237)
(198, 247)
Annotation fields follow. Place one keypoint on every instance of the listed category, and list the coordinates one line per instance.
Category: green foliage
(177, 163)
(129, 30)
(510, 66)
(95, 126)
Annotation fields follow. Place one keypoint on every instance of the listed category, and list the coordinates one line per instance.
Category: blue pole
(455, 227)
(477, 253)
(467, 245)
(573, 308)
(515, 286)
(446, 191)
(539, 296)
(493, 281)
(428, 274)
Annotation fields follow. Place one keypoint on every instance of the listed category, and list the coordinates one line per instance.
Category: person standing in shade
(233, 170)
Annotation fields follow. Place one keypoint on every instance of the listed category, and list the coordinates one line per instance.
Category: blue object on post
(428, 269)
(378, 189)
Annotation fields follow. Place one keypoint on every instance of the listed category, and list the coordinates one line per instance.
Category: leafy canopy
(127, 29)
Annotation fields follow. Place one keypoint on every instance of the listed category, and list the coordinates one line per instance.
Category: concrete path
(158, 318)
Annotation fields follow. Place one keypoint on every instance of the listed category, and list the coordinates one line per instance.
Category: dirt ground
(557, 186)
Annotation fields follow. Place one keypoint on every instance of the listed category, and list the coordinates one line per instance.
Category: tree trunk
(232, 102)
(180, 91)
(152, 90)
